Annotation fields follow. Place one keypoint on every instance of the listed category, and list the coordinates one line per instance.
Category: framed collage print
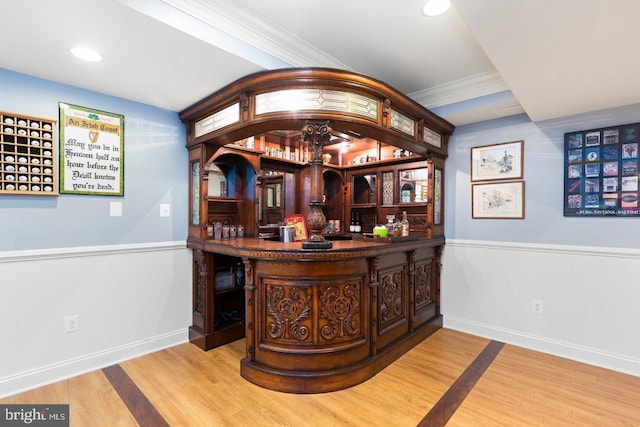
(601, 172)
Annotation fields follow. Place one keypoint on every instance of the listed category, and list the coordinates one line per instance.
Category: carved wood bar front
(320, 321)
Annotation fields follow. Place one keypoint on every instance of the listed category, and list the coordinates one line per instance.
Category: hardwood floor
(189, 387)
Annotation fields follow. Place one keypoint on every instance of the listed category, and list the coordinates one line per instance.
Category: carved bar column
(411, 282)
(250, 307)
(200, 300)
(316, 135)
(202, 314)
(204, 193)
(374, 285)
(438, 272)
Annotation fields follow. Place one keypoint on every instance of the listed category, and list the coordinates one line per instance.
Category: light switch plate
(115, 209)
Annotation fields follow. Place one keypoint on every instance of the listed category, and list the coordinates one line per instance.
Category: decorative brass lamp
(316, 135)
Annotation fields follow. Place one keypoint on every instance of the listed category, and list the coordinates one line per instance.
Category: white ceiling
(482, 59)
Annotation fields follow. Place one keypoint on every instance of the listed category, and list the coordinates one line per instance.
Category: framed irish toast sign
(91, 151)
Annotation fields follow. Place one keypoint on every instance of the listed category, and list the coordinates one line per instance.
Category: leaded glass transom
(402, 123)
(218, 120)
(316, 99)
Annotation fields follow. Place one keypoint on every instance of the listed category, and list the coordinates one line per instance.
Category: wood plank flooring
(479, 382)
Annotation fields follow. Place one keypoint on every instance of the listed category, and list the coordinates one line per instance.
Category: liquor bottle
(390, 220)
(397, 226)
(352, 224)
(405, 224)
(358, 227)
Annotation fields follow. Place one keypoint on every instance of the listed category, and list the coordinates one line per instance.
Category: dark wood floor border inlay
(140, 407)
(444, 409)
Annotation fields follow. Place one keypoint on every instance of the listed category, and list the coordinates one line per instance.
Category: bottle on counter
(397, 227)
(404, 223)
(390, 221)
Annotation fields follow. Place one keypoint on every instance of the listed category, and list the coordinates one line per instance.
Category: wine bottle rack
(28, 155)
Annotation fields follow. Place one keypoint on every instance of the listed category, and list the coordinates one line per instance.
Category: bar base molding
(304, 382)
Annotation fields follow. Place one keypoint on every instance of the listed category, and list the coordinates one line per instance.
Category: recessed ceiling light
(436, 7)
(86, 54)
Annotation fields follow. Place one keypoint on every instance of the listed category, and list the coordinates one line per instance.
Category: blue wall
(544, 180)
(155, 172)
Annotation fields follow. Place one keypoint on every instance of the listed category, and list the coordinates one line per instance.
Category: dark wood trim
(442, 411)
(140, 407)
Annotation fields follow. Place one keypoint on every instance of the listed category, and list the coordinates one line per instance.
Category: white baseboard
(586, 355)
(87, 363)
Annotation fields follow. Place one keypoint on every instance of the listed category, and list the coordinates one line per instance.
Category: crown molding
(461, 90)
(261, 41)
(256, 31)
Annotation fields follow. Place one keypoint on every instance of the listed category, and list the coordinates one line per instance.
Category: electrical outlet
(536, 306)
(165, 210)
(71, 323)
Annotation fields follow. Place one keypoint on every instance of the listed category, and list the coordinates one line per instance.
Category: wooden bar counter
(337, 148)
(324, 320)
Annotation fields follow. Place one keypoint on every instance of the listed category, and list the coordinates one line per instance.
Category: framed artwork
(91, 151)
(503, 200)
(300, 223)
(497, 161)
(601, 172)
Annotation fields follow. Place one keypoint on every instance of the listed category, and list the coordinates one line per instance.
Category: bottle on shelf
(352, 224)
(404, 223)
(210, 229)
(239, 272)
(358, 227)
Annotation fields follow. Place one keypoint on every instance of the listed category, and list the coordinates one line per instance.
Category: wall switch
(536, 306)
(115, 208)
(165, 210)
(71, 323)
